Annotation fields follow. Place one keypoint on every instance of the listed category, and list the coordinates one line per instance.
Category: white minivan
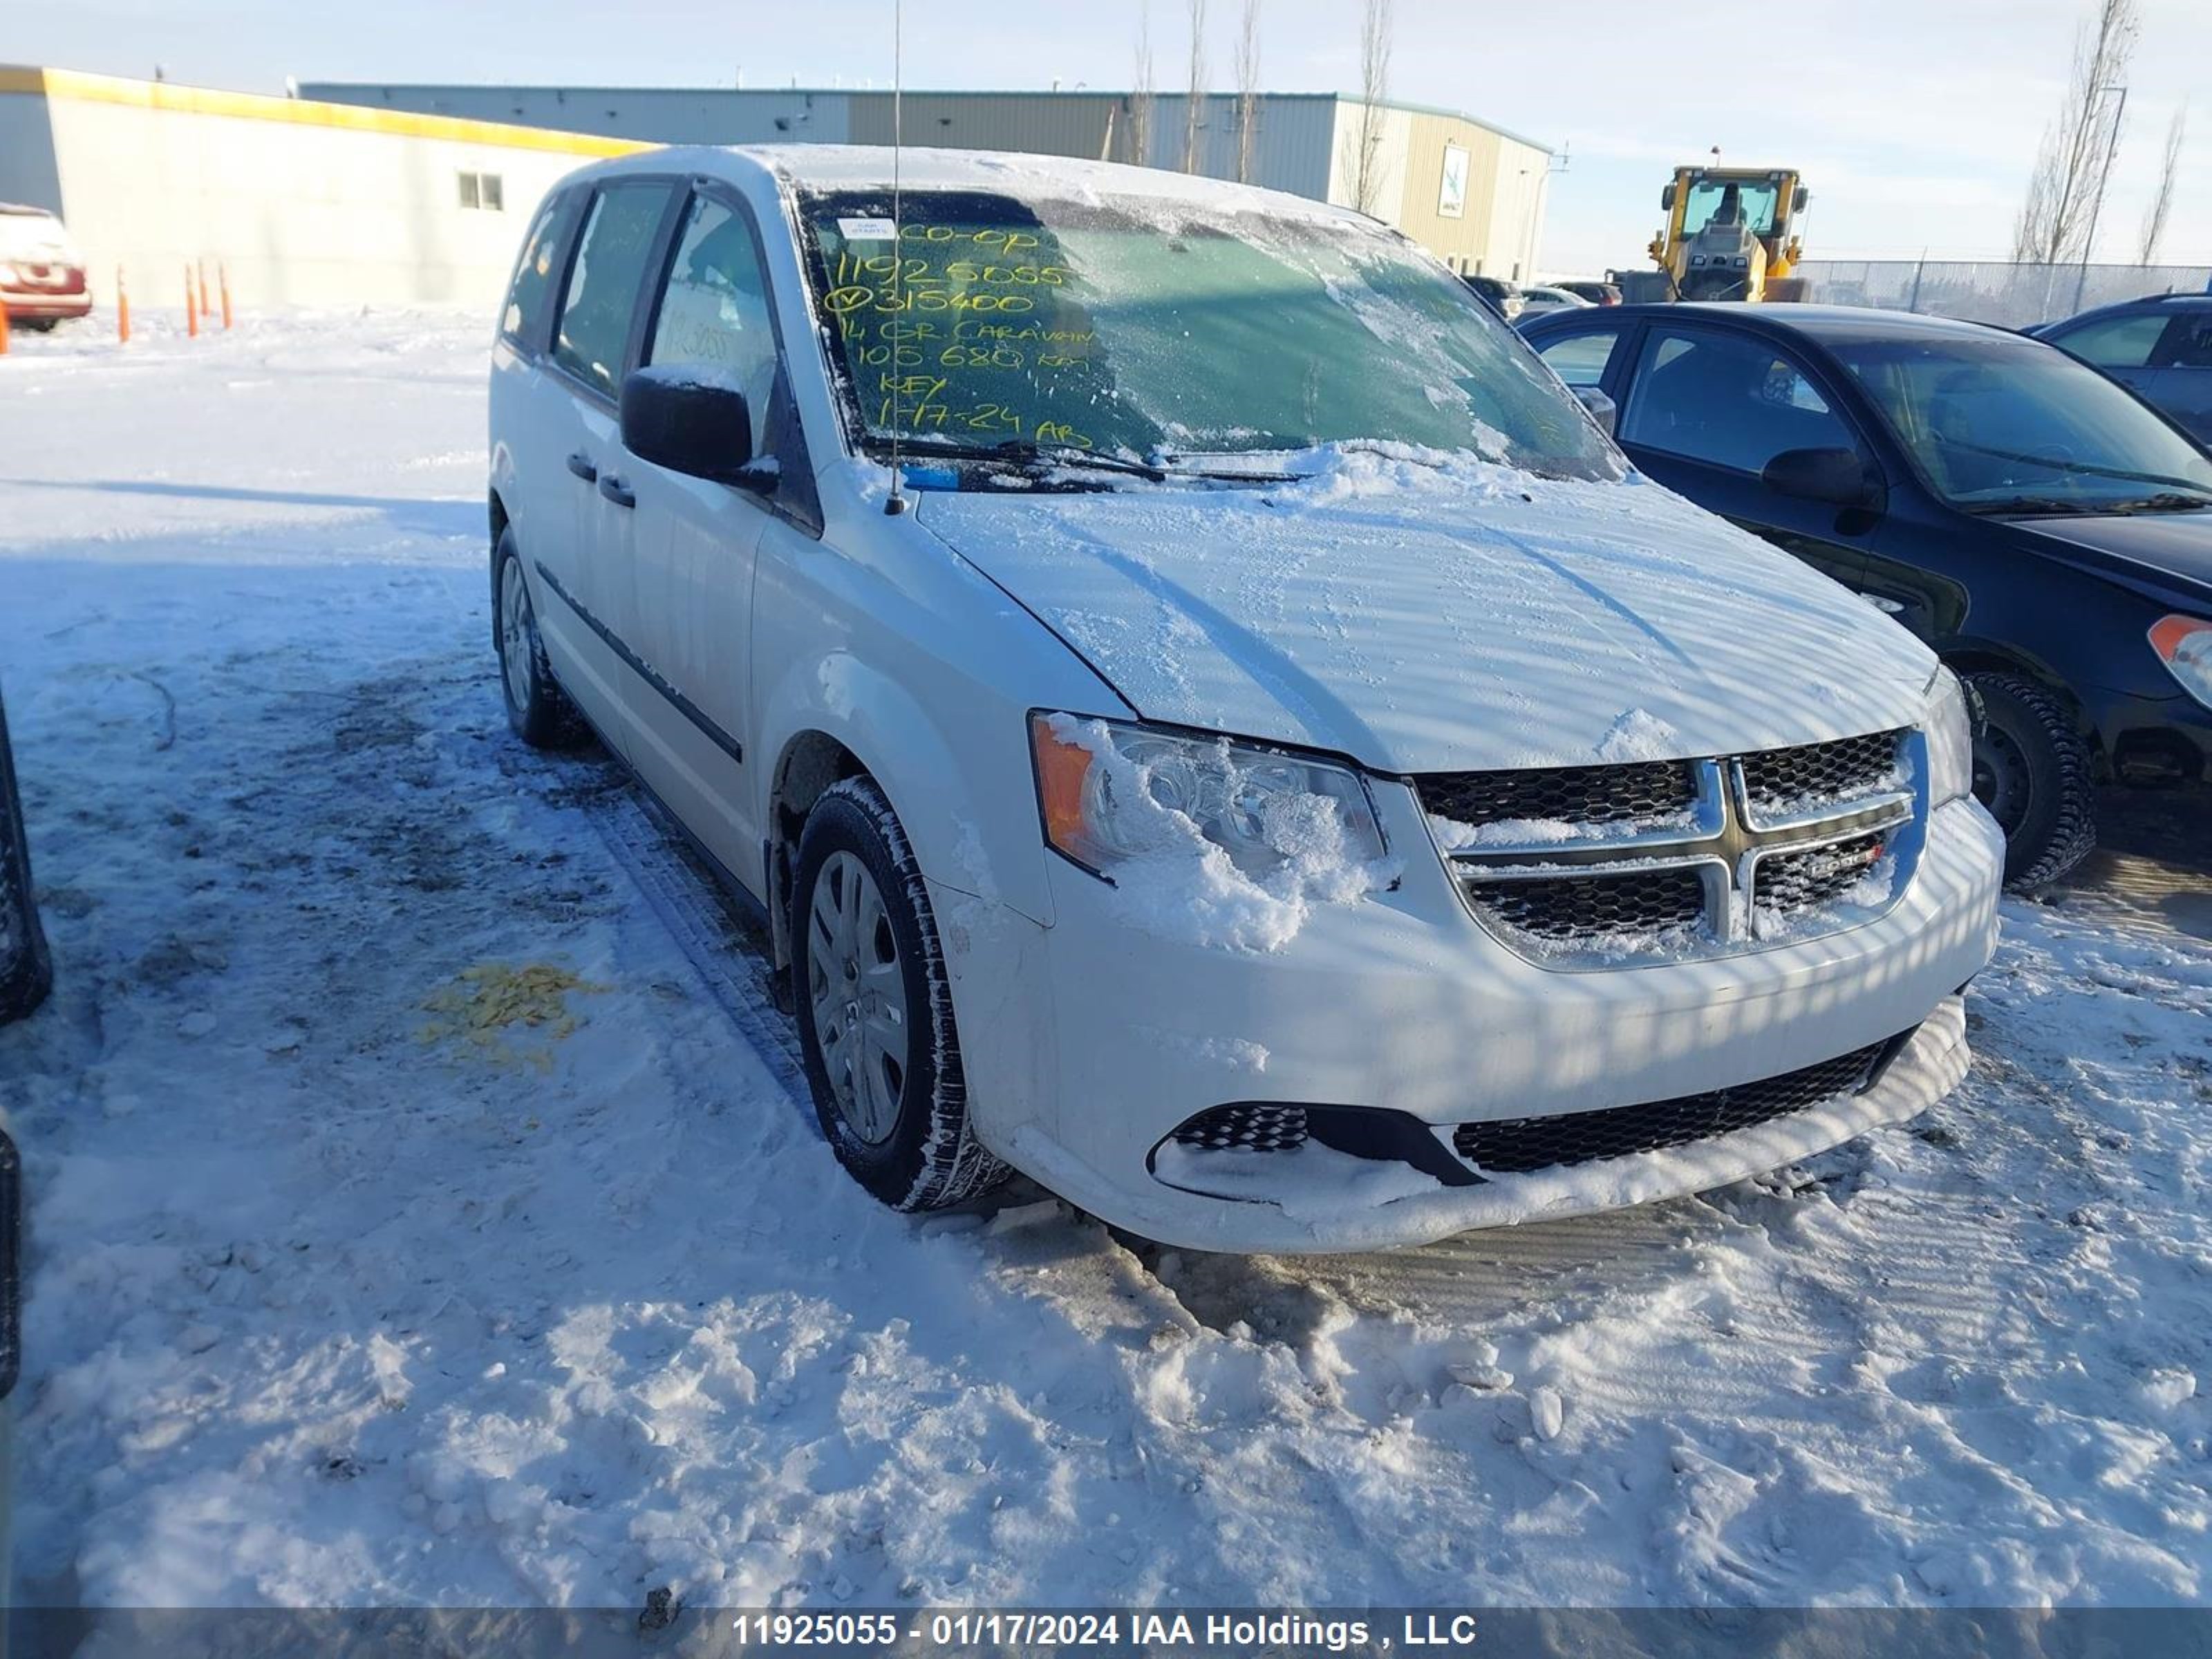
(1213, 723)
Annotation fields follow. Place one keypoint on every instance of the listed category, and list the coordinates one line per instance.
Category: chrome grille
(1783, 781)
(1600, 865)
(1793, 881)
(1518, 1145)
(1633, 903)
(1575, 794)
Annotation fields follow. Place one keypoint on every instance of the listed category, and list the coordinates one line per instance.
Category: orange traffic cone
(199, 267)
(122, 309)
(222, 277)
(192, 311)
(3, 331)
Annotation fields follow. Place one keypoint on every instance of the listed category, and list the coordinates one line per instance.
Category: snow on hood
(1425, 614)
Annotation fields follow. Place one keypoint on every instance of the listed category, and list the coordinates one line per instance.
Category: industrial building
(366, 194)
(297, 202)
(1472, 193)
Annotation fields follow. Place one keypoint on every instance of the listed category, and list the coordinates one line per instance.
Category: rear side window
(1728, 400)
(1580, 359)
(527, 297)
(2189, 344)
(604, 281)
(2117, 342)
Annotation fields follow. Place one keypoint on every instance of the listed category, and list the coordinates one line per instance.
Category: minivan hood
(1420, 619)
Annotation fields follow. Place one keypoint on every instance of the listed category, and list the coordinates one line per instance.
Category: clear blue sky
(1915, 121)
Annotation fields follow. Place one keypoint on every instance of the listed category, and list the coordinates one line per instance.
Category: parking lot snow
(408, 1223)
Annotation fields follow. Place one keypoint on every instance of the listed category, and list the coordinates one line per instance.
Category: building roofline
(1158, 93)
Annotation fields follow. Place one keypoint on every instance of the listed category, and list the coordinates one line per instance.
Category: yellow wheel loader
(1730, 234)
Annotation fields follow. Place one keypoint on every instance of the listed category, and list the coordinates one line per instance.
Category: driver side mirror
(692, 420)
(1601, 408)
(1837, 477)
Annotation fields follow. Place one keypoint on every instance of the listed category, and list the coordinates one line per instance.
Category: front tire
(25, 966)
(875, 1009)
(2033, 769)
(536, 707)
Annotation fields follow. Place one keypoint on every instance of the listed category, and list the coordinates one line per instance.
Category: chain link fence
(1990, 290)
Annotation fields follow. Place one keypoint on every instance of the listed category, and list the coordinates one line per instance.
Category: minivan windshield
(2003, 424)
(1153, 330)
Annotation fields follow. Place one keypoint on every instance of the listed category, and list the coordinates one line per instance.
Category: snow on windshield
(1151, 328)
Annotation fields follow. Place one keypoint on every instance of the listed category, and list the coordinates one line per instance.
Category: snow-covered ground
(412, 1221)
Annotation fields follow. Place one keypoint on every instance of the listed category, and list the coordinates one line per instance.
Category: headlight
(1111, 794)
(2184, 644)
(7, 274)
(1950, 732)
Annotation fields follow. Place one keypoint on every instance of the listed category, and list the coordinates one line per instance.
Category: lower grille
(1575, 910)
(1520, 1145)
(1247, 1129)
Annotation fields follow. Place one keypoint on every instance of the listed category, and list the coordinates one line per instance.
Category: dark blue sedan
(2161, 347)
(2045, 531)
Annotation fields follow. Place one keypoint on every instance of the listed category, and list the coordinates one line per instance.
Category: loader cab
(1730, 233)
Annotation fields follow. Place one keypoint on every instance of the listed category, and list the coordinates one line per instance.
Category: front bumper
(2153, 741)
(1380, 1004)
(1327, 1200)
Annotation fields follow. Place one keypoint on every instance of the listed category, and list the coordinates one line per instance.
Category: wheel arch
(969, 811)
(1967, 657)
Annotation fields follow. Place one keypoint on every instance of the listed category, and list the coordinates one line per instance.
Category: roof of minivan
(871, 167)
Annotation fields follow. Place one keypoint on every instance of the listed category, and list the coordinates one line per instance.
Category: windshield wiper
(2166, 500)
(1023, 452)
(2050, 466)
(2031, 507)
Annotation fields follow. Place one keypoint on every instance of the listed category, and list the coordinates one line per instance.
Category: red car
(41, 272)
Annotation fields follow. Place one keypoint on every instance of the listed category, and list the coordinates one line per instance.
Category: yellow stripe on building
(74, 85)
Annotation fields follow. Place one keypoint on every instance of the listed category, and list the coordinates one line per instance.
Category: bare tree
(1140, 95)
(1247, 89)
(1374, 87)
(2154, 225)
(2066, 194)
(1194, 105)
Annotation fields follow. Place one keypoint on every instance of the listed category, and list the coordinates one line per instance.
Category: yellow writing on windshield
(962, 330)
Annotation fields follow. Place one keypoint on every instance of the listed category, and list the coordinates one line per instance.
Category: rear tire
(875, 1009)
(536, 707)
(25, 965)
(2033, 771)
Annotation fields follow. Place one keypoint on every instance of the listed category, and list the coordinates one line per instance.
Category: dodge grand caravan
(1213, 723)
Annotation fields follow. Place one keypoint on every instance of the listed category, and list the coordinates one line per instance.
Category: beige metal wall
(302, 204)
(1500, 223)
(1306, 143)
(1290, 149)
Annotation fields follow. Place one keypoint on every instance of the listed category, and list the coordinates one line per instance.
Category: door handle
(581, 464)
(616, 492)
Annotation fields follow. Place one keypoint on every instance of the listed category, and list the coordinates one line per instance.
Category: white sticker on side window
(868, 230)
